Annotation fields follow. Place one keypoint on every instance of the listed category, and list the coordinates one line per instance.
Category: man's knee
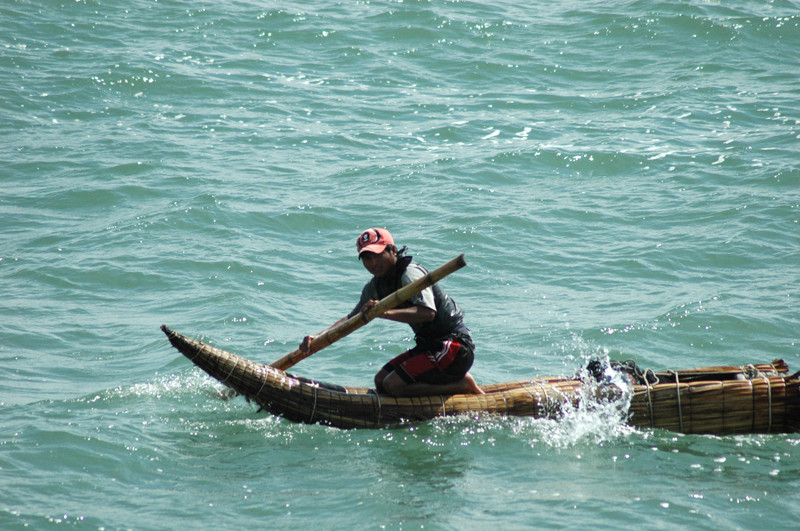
(394, 385)
(379, 378)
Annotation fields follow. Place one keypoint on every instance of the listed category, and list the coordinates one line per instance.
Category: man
(444, 351)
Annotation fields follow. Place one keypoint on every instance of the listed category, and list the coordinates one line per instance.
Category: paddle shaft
(336, 333)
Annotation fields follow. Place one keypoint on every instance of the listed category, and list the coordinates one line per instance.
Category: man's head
(377, 252)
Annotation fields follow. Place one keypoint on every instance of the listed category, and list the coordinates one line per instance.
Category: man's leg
(394, 385)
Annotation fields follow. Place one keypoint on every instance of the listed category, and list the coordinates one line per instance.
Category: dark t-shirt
(449, 318)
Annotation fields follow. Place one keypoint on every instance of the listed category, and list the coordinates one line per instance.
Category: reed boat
(754, 398)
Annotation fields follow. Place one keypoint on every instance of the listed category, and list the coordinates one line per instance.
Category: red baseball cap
(374, 241)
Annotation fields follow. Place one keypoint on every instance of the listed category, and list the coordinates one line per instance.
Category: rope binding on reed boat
(378, 400)
(314, 406)
(650, 404)
(535, 399)
(263, 383)
(769, 400)
(678, 394)
(544, 406)
(231, 373)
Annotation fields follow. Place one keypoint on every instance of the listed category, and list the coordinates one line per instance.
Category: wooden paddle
(336, 333)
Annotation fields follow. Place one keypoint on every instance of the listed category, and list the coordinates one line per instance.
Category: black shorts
(444, 362)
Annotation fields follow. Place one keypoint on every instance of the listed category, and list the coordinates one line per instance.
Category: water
(622, 178)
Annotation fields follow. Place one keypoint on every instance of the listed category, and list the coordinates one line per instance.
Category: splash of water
(600, 415)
